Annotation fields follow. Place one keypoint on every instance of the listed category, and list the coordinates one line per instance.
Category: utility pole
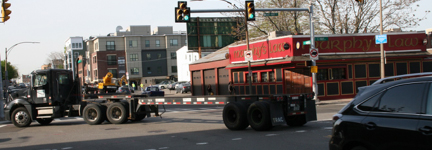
(381, 45)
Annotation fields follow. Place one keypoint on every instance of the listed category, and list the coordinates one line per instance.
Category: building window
(112, 60)
(159, 69)
(148, 56)
(76, 54)
(147, 43)
(173, 55)
(331, 74)
(114, 72)
(110, 45)
(174, 69)
(272, 76)
(173, 42)
(159, 56)
(133, 57)
(96, 45)
(264, 77)
(134, 71)
(94, 59)
(157, 43)
(79, 45)
(133, 43)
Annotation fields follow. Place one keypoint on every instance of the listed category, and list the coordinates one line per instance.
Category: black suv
(387, 115)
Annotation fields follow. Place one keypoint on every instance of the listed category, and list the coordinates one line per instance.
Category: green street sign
(321, 38)
(271, 14)
(306, 42)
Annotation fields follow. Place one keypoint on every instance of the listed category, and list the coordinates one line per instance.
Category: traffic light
(182, 12)
(250, 11)
(5, 12)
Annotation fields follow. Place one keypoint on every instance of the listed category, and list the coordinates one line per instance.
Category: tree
(348, 16)
(56, 59)
(12, 71)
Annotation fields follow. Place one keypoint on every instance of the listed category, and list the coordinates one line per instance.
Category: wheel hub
(21, 117)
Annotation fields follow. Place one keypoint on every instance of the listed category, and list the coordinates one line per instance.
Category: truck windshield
(63, 79)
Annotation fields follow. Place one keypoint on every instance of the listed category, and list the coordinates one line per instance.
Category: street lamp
(6, 54)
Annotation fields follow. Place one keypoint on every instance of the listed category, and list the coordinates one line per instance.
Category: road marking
(203, 143)
(328, 128)
(271, 134)
(3, 126)
(67, 148)
(301, 131)
(236, 139)
(163, 148)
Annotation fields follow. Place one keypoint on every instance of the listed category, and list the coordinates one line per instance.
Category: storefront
(346, 62)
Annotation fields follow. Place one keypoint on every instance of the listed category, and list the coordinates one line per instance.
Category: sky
(52, 22)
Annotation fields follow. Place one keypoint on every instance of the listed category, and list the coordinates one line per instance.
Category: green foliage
(12, 71)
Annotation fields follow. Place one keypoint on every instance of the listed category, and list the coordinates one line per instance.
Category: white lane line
(236, 139)
(328, 128)
(301, 131)
(3, 126)
(67, 148)
(163, 148)
(203, 143)
(271, 134)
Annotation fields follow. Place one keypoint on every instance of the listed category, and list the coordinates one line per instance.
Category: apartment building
(146, 57)
(74, 47)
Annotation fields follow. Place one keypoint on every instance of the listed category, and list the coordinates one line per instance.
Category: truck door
(40, 90)
(63, 85)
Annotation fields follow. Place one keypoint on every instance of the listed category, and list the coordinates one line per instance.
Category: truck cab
(52, 93)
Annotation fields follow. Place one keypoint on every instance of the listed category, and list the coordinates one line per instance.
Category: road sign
(271, 14)
(321, 38)
(306, 42)
(313, 53)
(381, 39)
(314, 69)
(248, 55)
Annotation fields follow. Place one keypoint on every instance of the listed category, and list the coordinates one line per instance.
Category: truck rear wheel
(93, 114)
(234, 116)
(21, 117)
(44, 121)
(117, 113)
(258, 116)
(295, 121)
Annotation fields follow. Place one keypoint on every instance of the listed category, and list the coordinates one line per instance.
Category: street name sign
(381, 39)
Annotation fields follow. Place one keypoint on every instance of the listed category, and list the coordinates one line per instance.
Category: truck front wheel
(258, 116)
(21, 117)
(117, 113)
(93, 114)
(234, 116)
(44, 121)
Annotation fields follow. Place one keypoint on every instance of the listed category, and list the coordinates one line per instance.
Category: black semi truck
(53, 93)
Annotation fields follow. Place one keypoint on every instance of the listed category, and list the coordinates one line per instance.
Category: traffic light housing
(5, 12)
(250, 11)
(182, 12)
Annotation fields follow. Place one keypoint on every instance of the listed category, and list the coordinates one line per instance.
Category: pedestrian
(141, 85)
(231, 89)
(209, 90)
(133, 86)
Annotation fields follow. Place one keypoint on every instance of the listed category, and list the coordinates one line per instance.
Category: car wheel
(117, 113)
(21, 117)
(94, 114)
(182, 91)
(234, 116)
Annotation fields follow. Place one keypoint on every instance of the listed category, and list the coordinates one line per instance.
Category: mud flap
(311, 110)
(277, 113)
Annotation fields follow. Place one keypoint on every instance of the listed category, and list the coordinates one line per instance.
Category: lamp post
(6, 72)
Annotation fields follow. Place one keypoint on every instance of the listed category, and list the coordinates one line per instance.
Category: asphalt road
(181, 127)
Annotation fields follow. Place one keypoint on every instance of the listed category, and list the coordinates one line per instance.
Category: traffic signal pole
(312, 38)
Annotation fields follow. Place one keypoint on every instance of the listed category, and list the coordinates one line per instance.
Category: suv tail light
(336, 117)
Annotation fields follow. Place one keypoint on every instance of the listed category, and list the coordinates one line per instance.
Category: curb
(330, 102)
(5, 122)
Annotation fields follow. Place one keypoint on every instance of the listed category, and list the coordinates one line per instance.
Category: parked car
(172, 85)
(131, 89)
(153, 91)
(390, 115)
(183, 87)
(124, 90)
(164, 84)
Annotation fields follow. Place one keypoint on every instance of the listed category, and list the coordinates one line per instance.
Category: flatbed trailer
(53, 94)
